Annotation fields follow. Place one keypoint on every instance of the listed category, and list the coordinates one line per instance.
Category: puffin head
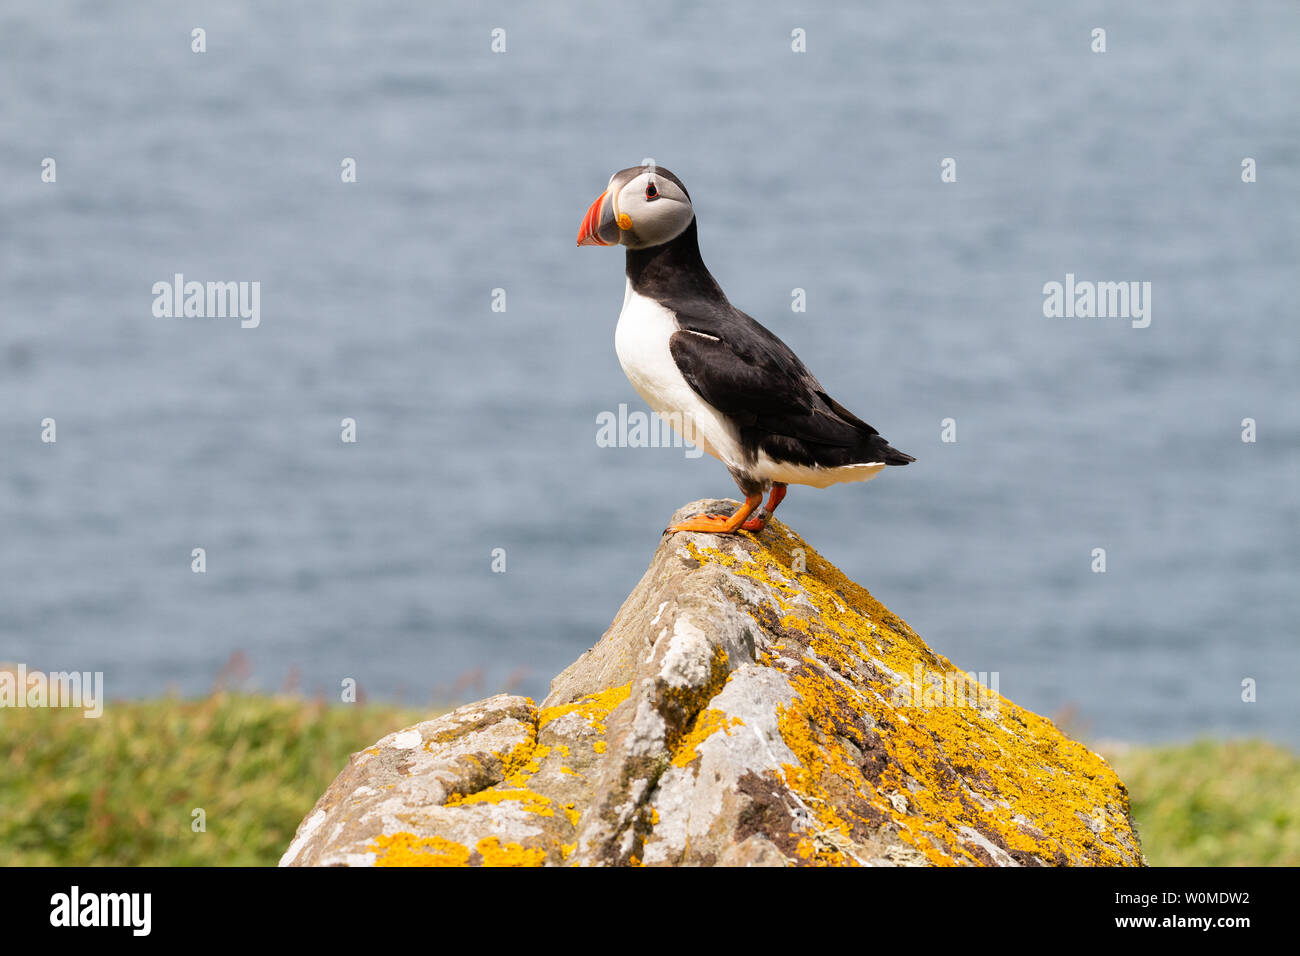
(642, 206)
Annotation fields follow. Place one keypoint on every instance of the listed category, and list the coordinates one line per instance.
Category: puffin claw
(719, 524)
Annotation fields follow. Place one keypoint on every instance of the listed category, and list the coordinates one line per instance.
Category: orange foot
(776, 496)
(719, 524)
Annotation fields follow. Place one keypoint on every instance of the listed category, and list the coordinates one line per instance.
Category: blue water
(477, 429)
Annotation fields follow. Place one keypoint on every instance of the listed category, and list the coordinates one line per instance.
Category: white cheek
(655, 216)
(658, 220)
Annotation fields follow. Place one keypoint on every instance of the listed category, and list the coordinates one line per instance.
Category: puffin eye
(651, 192)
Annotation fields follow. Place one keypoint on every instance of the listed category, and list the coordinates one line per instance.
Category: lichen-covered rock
(749, 705)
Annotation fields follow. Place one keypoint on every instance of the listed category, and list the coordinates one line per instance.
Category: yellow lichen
(706, 724)
(523, 761)
(594, 708)
(530, 802)
(407, 849)
(599, 746)
(571, 811)
(512, 854)
(986, 768)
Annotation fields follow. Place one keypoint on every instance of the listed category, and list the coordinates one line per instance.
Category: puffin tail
(881, 450)
(873, 446)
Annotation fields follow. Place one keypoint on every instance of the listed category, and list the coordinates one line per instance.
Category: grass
(1214, 803)
(122, 789)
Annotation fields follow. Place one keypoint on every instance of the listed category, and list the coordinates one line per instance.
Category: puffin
(718, 377)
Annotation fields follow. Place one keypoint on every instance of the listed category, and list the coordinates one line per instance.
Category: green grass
(1214, 803)
(121, 789)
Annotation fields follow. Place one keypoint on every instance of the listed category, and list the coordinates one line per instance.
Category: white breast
(641, 341)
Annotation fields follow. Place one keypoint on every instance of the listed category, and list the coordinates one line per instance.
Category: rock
(749, 706)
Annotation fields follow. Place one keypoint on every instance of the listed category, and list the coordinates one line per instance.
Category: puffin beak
(599, 227)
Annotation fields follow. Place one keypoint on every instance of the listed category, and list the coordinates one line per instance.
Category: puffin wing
(750, 375)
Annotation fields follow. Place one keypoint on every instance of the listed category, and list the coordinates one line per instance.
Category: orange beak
(600, 217)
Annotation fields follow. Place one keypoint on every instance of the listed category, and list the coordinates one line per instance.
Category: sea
(1104, 506)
